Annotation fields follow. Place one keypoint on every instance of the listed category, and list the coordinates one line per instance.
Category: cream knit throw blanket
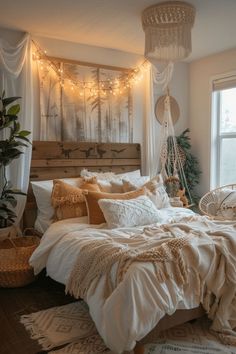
(202, 246)
(97, 256)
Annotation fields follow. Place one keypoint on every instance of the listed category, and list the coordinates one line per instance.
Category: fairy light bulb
(115, 85)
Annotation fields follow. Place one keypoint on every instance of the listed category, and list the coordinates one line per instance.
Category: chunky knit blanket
(202, 246)
(97, 257)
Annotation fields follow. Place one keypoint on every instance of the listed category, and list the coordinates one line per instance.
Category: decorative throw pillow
(226, 204)
(95, 213)
(42, 191)
(105, 186)
(90, 183)
(103, 176)
(113, 186)
(128, 213)
(158, 195)
(68, 201)
(130, 184)
(117, 186)
(155, 191)
(129, 175)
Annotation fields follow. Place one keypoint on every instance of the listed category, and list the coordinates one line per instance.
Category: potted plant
(13, 140)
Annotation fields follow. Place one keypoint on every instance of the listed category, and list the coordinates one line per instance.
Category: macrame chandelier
(167, 28)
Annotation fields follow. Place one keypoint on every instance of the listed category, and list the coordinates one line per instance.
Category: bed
(149, 306)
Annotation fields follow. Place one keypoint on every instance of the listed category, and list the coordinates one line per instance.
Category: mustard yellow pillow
(90, 183)
(68, 201)
(95, 214)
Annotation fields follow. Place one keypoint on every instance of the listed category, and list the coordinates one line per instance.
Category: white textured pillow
(132, 183)
(226, 204)
(114, 183)
(159, 196)
(156, 191)
(117, 186)
(129, 175)
(113, 186)
(101, 176)
(105, 186)
(128, 213)
(42, 191)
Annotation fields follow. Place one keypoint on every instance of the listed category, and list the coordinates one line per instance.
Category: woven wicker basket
(15, 270)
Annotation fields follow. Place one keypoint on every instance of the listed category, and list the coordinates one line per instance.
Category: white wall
(11, 36)
(201, 73)
(64, 49)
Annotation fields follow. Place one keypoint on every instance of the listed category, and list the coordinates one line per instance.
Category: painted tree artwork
(89, 111)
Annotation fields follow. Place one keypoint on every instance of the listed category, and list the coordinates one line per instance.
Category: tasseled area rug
(69, 329)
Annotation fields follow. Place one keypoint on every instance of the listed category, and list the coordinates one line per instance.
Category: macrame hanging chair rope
(172, 159)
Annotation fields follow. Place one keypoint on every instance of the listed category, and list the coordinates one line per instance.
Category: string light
(114, 86)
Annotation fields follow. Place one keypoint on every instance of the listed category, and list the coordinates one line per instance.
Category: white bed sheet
(137, 304)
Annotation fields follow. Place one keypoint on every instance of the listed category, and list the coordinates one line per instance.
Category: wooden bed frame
(52, 160)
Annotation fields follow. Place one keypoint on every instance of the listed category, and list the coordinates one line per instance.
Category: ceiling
(116, 24)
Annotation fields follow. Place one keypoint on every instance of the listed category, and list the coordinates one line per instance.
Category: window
(224, 119)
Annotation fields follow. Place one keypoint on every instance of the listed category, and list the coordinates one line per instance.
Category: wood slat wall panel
(68, 150)
(84, 162)
(44, 173)
(51, 160)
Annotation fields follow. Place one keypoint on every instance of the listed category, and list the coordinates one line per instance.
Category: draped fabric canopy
(152, 141)
(16, 80)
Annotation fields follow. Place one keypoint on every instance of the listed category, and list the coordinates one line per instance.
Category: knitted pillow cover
(95, 213)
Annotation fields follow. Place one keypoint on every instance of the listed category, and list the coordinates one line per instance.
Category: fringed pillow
(69, 201)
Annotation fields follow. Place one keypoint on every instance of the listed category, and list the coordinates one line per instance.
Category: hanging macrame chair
(172, 157)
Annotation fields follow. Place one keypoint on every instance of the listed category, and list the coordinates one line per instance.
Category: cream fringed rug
(69, 329)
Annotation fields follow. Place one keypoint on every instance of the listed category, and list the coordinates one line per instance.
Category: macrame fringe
(108, 284)
(30, 325)
(69, 200)
(207, 301)
(214, 308)
(160, 274)
(90, 345)
(97, 257)
(226, 338)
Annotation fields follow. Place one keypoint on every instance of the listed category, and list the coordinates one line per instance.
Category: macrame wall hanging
(167, 28)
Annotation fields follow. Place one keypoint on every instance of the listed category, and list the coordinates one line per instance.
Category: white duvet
(138, 303)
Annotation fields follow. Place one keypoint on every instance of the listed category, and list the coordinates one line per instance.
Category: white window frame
(216, 136)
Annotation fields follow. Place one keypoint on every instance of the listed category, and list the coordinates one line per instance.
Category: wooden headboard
(51, 159)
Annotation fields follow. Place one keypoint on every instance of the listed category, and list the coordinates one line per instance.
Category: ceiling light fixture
(167, 28)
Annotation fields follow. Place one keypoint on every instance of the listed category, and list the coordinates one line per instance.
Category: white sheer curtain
(17, 80)
(151, 137)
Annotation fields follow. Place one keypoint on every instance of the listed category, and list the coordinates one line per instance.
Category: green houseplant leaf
(10, 149)
(7, 101)
(13, 110)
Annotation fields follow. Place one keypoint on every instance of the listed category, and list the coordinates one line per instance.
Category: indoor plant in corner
(13, 140)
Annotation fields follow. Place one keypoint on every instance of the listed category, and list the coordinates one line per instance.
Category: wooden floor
(41, 294)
